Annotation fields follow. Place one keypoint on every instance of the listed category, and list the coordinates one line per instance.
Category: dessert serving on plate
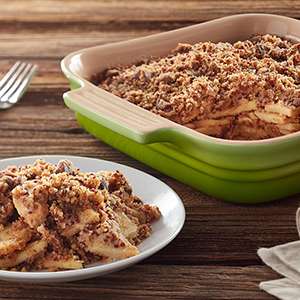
(247, 90)
(55, 217)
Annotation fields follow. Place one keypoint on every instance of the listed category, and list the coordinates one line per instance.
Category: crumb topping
(196, 82)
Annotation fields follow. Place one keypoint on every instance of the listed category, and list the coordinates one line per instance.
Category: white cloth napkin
(284, 259)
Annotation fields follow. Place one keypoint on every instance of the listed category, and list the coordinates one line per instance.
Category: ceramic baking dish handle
(118, 115)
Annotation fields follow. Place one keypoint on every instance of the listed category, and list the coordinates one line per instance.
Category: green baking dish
(239, 171)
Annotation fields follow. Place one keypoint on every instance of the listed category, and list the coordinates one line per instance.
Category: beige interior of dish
(89, 62)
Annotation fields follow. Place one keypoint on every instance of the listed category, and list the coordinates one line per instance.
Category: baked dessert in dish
(246, 90)
(55, 217)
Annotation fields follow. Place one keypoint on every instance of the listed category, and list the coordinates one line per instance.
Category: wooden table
(214, 257)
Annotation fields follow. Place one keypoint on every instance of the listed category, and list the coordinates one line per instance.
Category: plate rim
(92, 271)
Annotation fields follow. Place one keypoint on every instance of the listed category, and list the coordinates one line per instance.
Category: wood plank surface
(214, 257)
(135, 14)
(141, 282)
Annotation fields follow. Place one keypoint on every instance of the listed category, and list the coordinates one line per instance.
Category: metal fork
(15, 82)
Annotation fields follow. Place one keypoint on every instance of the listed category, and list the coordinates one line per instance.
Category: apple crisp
(55, 217)
(244, 90)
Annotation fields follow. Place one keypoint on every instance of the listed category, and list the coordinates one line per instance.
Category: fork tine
(23, 83)
(10, 82)
(18, 80)
(7, 76)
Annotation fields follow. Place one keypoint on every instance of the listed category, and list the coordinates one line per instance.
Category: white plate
(147, 187)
